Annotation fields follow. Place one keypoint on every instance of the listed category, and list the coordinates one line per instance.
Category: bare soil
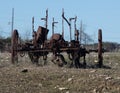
(25, 77)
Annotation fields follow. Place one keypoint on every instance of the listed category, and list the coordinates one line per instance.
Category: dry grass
(53, 79)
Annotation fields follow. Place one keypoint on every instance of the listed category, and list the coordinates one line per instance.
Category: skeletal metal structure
(40, 46)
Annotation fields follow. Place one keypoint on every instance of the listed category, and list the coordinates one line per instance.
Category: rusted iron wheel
(14, 44)
(100, 57)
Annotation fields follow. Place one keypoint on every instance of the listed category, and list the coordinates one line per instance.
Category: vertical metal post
(81, 32)
(53, 27)
(34, 34)
(100, 57)
(46, 23)
(12, 47)
(70, 31)
(70, 19)
(75, 27)
(69, 24)
(33, 24)
(12, 24)
(62, 24)
(53, 24)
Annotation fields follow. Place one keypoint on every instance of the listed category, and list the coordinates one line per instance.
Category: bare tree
(84, 37)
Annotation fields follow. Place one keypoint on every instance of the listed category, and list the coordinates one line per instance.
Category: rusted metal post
(77, 35)
(46, 22)
(53, 24)
(53, 27)
(33, 24)
(14, 43)
(62, 24)
(81, 33)
(70, 31)
(100, 57)
(46, 18)
(34, 34)
(12, 49)
(67, 23)
(70, 19)
(75, 28)
(12, 23)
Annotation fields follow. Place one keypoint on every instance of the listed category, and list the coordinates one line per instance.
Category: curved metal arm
(65, 19)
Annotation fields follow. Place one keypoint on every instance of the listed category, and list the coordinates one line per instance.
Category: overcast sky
(95, 14)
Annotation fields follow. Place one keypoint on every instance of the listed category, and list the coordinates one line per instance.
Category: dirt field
(25, 77)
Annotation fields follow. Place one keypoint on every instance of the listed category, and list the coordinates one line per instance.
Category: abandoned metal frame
(56, 46)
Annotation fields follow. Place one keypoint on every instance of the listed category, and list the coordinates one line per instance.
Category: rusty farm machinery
(40, 46)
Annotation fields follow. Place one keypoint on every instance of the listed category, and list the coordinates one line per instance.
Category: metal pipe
(46, 22)
(100, 57)
(81, 32)
(62, 24)
(70, 19)
(33, 24)
(75, 28)
(53, 24)
(67, 23)
(12, 23)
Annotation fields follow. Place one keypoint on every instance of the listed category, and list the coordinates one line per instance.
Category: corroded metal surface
(40, 46)
(14, 45)
(100, 57)
(56, 45)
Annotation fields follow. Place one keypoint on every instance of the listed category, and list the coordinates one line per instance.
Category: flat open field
(53, 79)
